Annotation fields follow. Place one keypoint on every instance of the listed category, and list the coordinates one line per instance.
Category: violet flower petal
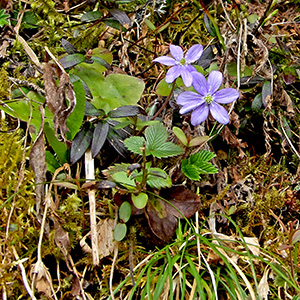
(173, 73)
(165, 60)
(176, 52)
(186, 76)
(200, 114)
(190, 68)
(193, 53)
(200, 83)
(214, 81)
(225, 96)
(186, 97)
(219, 113)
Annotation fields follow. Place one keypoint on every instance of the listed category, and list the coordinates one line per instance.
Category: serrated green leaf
(190, 171)
(200, 156)
(205, 168)
(158, 178)
(135, 144)
(125, 211)
(120, 232)
(165, 150)
(155, 135)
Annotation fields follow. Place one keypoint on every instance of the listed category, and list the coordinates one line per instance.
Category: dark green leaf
(91, 110)
(121, 17)
(124, 111)
(72, 60)
(201, 156)
(257, 103)
(101, 61)
(91, 16)
(99, 137)
(209, 26)
(68, 47)
(120, 232)
(155, 135)
(81, 143)
(117, 142)
(125, 211)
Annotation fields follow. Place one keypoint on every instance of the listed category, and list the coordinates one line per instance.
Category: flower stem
(166, 102)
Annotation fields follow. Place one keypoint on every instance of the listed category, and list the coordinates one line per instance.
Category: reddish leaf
(183, 199)
(161, 221)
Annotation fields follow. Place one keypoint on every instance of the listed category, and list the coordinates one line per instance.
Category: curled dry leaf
(105, 241)
(60, 99)
(38, 164)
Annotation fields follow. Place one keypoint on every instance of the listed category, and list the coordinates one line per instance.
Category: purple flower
(208, 98)
(180, 63)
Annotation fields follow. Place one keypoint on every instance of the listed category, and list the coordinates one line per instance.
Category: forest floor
(109, 188)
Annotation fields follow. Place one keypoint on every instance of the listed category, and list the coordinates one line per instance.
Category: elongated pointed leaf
(68, 47)
(125, 111)
(116, 141)
(99, 137)
(72, 60)
(81, 143)
(180, 135)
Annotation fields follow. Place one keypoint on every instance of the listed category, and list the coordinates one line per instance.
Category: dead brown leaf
(60, 99)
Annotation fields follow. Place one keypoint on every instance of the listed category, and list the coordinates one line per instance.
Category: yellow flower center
(209, 98)
(182, 61)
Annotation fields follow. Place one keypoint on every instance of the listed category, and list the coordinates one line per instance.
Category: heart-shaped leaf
(140, 200)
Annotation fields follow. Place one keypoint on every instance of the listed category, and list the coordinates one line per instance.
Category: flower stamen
(209, 98)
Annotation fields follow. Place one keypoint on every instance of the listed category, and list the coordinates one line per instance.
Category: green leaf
(139, 200)
(157, 178)
(257, 103)
(156, 136)
(135, 144)
(180, 135)
(122, 179)
(110, 92)
(24, 108)
(91, 16)
(120, 232)
(51, 162)
(190, 171)
(72, 60)
(125, 211)
(124, 111)
(163, 88)
(74, 121)
(99, 137)
(3, 18)
(232, 70)
(198, 164)
(165, 150)
(81, 143)
(59, 147)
